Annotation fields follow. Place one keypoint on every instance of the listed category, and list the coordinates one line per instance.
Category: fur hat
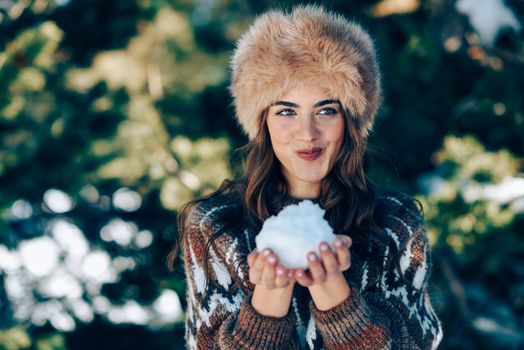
(308, 46)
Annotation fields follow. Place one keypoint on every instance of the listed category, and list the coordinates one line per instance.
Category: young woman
(306, 89)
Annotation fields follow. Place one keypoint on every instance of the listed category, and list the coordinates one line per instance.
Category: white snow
(144, 239)
(168, 306)
(127, 200)
(58, 201)
(488, 17)
(70, 238)
(504, 192)
(97, 266)
(294, 232)
(130, 312)
(60, 284)
(9, 260)
(22, 209)
(40, 256)
(120, 231)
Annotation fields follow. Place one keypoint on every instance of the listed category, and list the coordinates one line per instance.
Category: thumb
(251, 258)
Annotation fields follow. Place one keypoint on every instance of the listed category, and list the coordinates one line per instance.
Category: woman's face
(306, 128)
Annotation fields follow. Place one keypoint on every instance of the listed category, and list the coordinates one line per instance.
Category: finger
(291, 273)
(302, 278)
(251, 258)
(342, 254)
(328, 260)
(315, 267)
(346, 240)
(255, 273)
(269, 274)
(282, 279)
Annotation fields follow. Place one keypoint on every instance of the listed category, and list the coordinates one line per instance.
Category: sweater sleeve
(396, 315)
(220, 316)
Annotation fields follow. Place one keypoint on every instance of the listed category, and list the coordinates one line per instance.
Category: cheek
(279, 133)
(335, 134)
(336, 138)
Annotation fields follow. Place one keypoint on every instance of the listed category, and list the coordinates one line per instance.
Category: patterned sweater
(394, 313)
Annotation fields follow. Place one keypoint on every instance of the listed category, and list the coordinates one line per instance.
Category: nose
(307, 130)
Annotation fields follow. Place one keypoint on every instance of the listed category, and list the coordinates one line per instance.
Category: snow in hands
(297, 230)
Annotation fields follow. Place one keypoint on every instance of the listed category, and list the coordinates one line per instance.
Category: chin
(315, 175)
(312, 178)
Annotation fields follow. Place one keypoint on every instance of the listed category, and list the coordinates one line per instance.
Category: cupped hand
(330, 264)
(265, 271)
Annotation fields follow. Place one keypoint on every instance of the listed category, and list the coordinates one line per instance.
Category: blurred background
(113, 113)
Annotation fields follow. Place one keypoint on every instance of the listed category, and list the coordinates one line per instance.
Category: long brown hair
(348, 196)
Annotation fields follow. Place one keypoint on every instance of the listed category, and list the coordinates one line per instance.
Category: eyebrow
(318, 104)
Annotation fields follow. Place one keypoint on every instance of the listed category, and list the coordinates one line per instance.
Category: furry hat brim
(309, 46)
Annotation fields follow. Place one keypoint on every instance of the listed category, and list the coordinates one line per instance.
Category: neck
(305, 192)
(278, 202)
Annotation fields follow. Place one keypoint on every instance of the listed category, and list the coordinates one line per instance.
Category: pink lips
(310, 154)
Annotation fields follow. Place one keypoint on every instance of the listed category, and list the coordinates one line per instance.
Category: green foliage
(51, 342)
(458, 214)
(14, 339)
(17, 338)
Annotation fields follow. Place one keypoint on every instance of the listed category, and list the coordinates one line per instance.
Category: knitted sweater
(394, 313)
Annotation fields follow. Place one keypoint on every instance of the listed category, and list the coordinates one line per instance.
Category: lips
(310, 153)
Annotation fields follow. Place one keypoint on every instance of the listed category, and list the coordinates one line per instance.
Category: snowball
(297, 230)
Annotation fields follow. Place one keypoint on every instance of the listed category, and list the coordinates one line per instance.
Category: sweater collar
(279, 202)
